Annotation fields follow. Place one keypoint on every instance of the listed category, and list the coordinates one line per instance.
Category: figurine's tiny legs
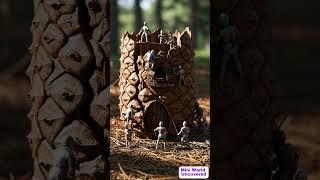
(184, 132)
(162, 133)
(128, 134)
(144, 32)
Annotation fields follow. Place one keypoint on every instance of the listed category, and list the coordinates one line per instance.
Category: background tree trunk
(138, 15)
(69, 78)
(242, 108)
(192, 23)
(114, 27)
(158, 13)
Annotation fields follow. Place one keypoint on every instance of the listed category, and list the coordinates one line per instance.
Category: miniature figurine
(228, 36)
(161, 37)
(64, 162)
(128, 134)
(129, 113)
(184, 131)
(144, 32)
(181, 76)
(162, 133)
(151, 58)
(172, 41)
(198, 113)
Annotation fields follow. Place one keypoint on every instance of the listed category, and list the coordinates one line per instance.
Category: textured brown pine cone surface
(153, 100)
(69, 77)
(243, 104)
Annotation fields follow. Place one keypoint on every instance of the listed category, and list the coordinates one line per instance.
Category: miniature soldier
(172, 41)
(161, 37)
(228, 37)
(129, 113)
(151, 57)
(128, 134)
(184, 131)
(162, 133)
(63, 161)
(145, 32)
(181, 73)
(198, 113)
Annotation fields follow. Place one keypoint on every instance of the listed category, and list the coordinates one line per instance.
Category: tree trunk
(242, 106)
(158, 13)
(192, 21)
(69, 77)
(138, 15)
(114, 27)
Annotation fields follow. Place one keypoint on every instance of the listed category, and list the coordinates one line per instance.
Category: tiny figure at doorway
(162, 133)
(184, 132)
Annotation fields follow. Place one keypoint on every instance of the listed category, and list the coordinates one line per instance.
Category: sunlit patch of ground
(303, 131)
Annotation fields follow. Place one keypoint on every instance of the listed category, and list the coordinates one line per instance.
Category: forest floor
(303, 131)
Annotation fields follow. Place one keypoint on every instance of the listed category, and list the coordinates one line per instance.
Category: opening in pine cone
(45, 166)
(75, 56)
(48, 122)
(155, 113)
(94, 6)
(160, 73)
(56, 6)
(68, 97)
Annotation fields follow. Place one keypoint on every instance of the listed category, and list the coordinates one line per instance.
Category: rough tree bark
(158, 13)
(192, 21)
(138, 15)
(69, 78)
(114, 27)
(242, 107)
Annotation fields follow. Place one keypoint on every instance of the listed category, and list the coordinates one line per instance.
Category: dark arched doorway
(155, 113)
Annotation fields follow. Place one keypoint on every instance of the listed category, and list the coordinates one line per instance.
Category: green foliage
(175, 15)
(202, 57)
(126, 20)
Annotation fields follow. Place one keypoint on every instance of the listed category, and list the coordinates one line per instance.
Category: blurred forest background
(296, 35)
